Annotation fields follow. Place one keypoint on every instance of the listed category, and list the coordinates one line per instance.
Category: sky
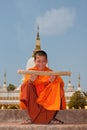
(63, 35)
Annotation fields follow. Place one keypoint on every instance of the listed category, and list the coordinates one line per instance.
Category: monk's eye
(38, 61)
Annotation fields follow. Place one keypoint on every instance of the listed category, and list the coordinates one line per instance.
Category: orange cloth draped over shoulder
(50, 94)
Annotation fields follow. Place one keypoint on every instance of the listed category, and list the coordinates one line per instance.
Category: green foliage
(13, 107)
(11, 87)
(85, 93)
(77, 100)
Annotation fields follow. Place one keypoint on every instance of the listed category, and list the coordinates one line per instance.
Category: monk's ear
(47, 61)
(34, 60)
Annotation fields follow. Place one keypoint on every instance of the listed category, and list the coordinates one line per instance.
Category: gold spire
(5, 78)
(4, 84)
(69, 80)
(79, 88)
(38, 38)
(38, 46)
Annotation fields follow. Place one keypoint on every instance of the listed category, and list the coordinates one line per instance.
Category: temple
(9, 99)
(30, 61)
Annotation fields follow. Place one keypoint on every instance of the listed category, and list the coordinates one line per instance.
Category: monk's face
(40, 62)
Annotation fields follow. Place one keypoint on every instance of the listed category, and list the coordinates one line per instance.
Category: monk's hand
(33, 77)
(52, 78)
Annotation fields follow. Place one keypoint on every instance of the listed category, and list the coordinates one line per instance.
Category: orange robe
(49, 95)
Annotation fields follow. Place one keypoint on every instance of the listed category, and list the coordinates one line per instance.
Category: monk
(42, 96)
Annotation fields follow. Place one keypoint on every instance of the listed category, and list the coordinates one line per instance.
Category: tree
(85, 93)
(77, 100)
(11, 87)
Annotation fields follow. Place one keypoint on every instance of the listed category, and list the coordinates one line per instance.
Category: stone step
(10, 119)
(18, 126)
(75, 116)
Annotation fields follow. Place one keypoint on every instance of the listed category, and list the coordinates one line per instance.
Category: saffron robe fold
(36, 112)
(42, 98)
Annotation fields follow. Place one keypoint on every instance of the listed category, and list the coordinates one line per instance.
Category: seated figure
(42, 96)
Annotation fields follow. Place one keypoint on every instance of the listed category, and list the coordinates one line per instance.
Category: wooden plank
(60, 73)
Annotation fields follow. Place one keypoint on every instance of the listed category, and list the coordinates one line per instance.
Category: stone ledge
(75, 116)
(18, 126)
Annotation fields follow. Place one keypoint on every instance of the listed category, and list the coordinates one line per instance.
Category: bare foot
(56, 121)
(26, 122)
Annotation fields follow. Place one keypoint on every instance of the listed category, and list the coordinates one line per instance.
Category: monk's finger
(33, 77)
(52, 78)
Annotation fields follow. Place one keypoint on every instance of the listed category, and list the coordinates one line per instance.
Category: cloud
(21, 36)
(56, 21)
